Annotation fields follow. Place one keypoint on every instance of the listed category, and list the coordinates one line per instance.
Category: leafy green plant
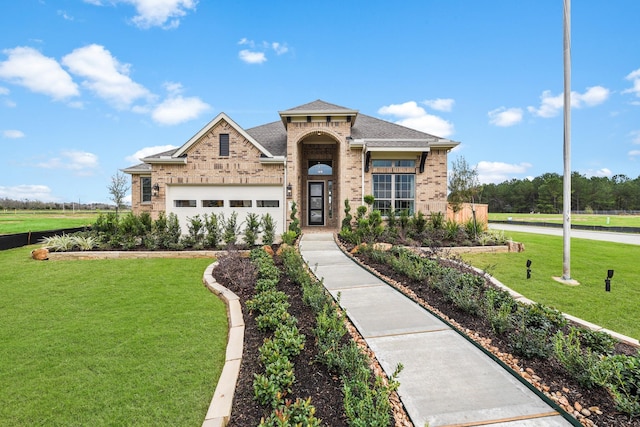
(299, 413)
(230, 228)
(196, 232)
(251, 229)
(294, 225)
(213, 231)
(289, 237)
(437, 220)
(620, 374)
(84, 243)
(498, 307)
(268, 229)
(419, 222)
(578, 362)
(346, 221)
(59, 243)
(597, 341)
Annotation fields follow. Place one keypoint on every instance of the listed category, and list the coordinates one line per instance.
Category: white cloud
(497, 172)
(12, 134)
(28, 192)
(257, 52)
(156, 13)
(413, 116)
(252, 57)
(65, 15)
(440, 104)
(4, 91)
(105, 76)
(177, 110)
(604, 172)
(279, 48)
(505, 117)
(635, 136)
(550, 106)
(634, 153)
(82, 162)
(634, 76)
(148, 151)
(30, 68)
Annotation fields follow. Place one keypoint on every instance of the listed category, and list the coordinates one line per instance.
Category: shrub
(299, 413)
(346, 221)
(498, 307)
(196, 232)
(436, 220)
(230, 229)
(289, 237)
(213, 231)
(294, 225)
(620, 374)
(578, 362)
(268, 229)
(251, 229)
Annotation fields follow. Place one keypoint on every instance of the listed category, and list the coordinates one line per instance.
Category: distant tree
(118, 189)
(464, 184)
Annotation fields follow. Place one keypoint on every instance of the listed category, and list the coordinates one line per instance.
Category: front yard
(107, 342)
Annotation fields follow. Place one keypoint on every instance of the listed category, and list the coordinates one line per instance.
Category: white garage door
(187, 201)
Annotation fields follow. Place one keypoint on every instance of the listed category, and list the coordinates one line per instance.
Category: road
(628, 238)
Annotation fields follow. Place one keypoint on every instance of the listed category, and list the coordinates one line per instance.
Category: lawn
(107, 342)
(25, 221)
(616, 310)
(603, 220)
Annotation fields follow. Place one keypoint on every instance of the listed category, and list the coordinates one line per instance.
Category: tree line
(544, 194)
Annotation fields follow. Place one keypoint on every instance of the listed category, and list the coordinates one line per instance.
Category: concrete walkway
(446, 379)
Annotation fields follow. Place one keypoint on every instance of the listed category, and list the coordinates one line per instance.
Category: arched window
(320, 167)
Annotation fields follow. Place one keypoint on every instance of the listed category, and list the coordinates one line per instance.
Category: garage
(187, 201)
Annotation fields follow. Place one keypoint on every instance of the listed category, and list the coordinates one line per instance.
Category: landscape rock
(41, 254)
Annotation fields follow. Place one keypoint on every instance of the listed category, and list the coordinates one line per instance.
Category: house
(317, 155)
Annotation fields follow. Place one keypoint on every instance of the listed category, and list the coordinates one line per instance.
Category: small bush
(268, 229)
(578, 362)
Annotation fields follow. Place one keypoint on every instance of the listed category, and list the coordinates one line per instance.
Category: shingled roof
(376, 132)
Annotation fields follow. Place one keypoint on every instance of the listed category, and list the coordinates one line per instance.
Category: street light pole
(566, 201)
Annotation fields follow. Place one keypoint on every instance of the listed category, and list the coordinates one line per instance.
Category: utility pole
(566, 201)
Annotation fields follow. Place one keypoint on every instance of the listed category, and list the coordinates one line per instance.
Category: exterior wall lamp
(156, 189)
(289, 191)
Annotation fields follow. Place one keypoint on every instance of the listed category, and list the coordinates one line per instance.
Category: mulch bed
(549, 376)
(313, 380)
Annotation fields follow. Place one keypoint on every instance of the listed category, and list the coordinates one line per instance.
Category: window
(224, 145)
(240, 203)
(321, 167)
(184, 203)
(395, 192)
(268, 203)
(145, 189)
(404, 163)
(213, 203)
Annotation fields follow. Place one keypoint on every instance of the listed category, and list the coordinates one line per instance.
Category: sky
(87, 87)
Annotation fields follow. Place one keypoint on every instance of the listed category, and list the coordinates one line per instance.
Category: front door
(316, 203)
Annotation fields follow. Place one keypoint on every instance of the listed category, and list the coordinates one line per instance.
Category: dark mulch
(312, 379)
(550, 371)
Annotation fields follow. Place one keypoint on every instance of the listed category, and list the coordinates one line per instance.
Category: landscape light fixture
(528, 269)
(156, 189)
(607, 281)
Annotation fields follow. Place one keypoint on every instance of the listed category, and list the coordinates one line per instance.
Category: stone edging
(219, 411)
(83, 255)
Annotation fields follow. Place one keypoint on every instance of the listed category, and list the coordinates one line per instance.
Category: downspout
(284, 194)
(362, 157)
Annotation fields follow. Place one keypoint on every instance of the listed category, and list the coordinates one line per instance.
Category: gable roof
(219, 118)
(271, 138)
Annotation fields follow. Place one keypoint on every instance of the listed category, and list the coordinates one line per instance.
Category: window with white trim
(394, 191)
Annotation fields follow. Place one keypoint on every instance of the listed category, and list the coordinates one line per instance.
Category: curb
(219, 411)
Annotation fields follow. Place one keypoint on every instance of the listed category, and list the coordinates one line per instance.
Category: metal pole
(566, 201)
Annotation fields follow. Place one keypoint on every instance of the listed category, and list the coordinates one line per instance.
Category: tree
(464, 185)
(118, 189)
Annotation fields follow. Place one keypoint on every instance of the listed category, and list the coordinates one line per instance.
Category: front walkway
(446, 379)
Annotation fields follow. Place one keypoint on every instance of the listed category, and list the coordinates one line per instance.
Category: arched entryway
(319, 172)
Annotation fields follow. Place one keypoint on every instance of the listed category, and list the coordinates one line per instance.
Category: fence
(11, 241)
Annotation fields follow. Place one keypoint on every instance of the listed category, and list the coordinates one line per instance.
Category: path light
(528, 269)
(607, 281)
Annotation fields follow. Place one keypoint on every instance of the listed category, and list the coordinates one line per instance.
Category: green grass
(616, 310)
(107, 342)
(25, 221)
(614, 220)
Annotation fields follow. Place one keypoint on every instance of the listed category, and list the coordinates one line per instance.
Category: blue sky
(89, 86)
